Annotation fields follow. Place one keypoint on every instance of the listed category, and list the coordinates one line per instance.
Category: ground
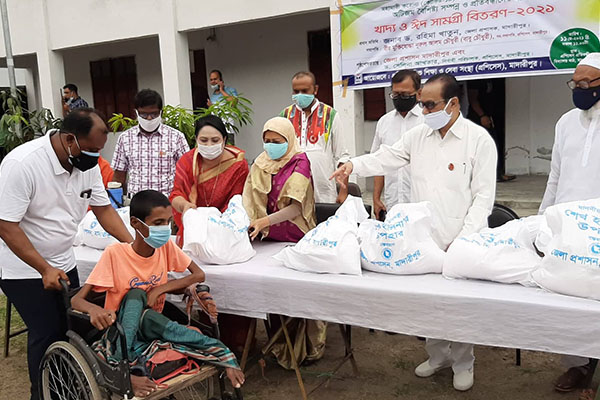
(385, 362)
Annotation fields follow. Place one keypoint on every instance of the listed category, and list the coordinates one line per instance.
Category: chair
(353, 189)
(499, 216)
(325, 210)
(7, 333)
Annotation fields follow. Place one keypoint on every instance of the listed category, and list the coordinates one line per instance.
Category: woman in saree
(279, 199)
(209, 176)
(278, 195)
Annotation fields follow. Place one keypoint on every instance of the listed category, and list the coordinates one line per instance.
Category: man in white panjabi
(575, 171)
(406, 88)
(320, 134)
(452, 164)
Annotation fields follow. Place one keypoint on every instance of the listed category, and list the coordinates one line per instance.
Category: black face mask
(584, 99)
(85, 160)
(405, 104)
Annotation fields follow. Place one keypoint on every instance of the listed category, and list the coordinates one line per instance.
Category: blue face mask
(276, 150)
(303, 100)
(158, 235)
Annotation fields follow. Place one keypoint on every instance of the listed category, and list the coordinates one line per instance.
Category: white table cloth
(478, 312)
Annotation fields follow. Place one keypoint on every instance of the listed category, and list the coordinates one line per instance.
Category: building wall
(192, 17)
(533, 106)
(147, 58)
(259, 67)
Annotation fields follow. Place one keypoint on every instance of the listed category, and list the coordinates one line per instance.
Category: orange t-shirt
(120, 268)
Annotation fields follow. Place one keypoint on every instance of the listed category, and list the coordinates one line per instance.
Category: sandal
(588, 394)
(572, 379)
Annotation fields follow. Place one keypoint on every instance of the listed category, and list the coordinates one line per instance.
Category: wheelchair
(70, 370)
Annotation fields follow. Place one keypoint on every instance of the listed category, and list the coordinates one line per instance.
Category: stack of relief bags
(568, 235)
(348, 242)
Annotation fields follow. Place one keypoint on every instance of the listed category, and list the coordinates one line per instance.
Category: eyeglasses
(149, 115)
(581, 84)
(430, 105)
(403, 96)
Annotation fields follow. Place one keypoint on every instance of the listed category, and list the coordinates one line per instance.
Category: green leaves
(18, 125)
(119, 123)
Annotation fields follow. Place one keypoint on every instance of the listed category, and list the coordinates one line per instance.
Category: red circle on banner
(451, 167)
(313, 139)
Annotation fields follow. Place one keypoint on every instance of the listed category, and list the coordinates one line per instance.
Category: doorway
(319, 63)
(114, 84)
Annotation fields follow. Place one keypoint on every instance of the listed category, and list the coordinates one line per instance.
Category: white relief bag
(214, 238)
(403, 244)
(332, 246)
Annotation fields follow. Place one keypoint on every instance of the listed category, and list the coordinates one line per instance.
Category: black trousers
(43, 311)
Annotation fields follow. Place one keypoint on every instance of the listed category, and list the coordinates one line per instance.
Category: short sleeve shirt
(47, 201)
(216, 97)
(150, 159)
(120, 269)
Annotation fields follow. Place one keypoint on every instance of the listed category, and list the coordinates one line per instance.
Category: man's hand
(486, 122)
(221, 86)
(378, 206)
(102, 318)
(342, 174)
(153, 295)
(257, 226)
(188, 206)
(50, 278)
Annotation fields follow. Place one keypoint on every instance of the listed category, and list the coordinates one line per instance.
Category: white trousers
(459, 355)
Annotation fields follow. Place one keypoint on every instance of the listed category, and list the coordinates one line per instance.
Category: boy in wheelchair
(134, 277)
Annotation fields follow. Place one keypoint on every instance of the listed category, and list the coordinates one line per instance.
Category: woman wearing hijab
(279, 199)
(209, 175)
(278, 194)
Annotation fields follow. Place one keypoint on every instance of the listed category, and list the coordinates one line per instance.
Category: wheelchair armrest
(86, 317)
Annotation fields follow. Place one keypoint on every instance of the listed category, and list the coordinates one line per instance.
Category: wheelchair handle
(65, 292)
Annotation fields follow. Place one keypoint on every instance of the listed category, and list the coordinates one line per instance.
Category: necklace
(206, 199)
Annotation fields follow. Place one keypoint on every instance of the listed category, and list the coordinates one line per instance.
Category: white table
(483, 313)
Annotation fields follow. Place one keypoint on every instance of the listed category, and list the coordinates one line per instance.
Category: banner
(467, 38)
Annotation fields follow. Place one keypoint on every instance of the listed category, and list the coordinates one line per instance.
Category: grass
(19, 343)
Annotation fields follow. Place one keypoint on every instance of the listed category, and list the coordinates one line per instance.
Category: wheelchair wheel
(65, 375)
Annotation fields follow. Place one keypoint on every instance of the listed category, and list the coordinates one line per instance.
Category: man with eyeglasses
(149, 151)
(575, 171)
(406, 88)
(452, 164)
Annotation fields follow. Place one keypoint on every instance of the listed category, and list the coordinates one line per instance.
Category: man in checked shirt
(148, 151)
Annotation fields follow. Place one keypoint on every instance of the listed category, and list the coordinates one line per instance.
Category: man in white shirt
(406, 88)
(575, 171)
(319, 130)
(46, 187)
(452, 163)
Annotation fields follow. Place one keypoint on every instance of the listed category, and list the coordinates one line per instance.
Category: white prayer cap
(592, 60)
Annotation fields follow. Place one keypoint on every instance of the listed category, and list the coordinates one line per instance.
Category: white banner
(467, 38)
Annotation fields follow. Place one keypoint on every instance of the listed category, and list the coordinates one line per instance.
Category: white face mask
(210, 152)
(214, 87)
(149, 125)
(439, 119)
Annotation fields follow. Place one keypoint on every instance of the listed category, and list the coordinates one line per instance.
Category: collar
(455, 129)
(159, 130)
(417, 111)
(56, 165)
(592, 112)
(313, 108)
